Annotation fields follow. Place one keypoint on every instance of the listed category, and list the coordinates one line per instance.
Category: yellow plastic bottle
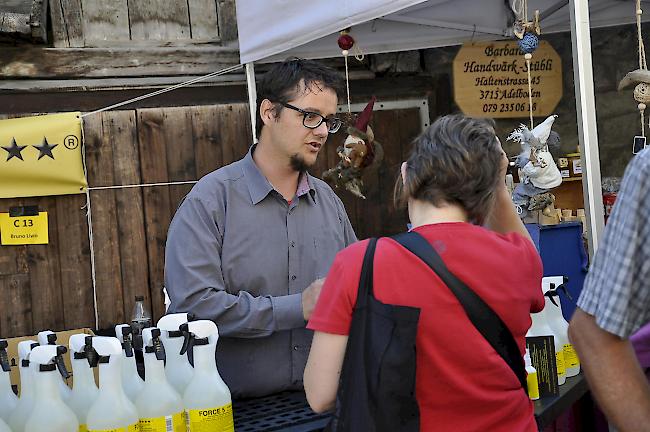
(49, 412)
(8, 399)
(207, 400)
(112, 411)
(159, 406)
(84, 389)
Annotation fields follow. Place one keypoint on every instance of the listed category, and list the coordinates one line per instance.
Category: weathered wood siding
(50, 286)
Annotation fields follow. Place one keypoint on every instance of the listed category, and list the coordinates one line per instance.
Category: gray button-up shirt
(239, 254)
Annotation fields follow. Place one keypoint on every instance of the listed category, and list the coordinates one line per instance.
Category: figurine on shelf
(358, 153)
(539, 173)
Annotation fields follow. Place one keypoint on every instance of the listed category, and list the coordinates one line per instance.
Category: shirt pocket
(327, 243)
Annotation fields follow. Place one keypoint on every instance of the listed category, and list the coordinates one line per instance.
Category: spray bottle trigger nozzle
(188, 338)
(60, 364)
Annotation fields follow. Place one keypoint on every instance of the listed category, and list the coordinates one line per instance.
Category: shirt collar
(259, 186)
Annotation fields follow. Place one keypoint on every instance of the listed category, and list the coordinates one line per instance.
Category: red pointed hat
(364, 118)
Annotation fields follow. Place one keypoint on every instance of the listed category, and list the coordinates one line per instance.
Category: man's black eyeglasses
(312, 119)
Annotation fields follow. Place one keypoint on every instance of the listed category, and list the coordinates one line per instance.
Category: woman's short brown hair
(457, 161)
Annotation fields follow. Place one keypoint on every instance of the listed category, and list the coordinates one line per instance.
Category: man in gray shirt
(251, 242)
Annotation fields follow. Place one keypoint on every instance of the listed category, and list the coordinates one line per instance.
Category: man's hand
(310, 297)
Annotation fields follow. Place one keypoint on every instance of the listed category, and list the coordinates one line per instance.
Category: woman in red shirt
(453, 184)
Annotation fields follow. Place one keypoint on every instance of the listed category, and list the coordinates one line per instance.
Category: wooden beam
(24, 19)
(113, 62)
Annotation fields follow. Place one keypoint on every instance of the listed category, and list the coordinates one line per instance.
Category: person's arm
(504, 218)
(323, 370)
(613, 372)
(195, 283)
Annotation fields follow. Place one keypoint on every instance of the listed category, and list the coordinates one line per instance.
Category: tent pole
(587, 126)
(252, 97)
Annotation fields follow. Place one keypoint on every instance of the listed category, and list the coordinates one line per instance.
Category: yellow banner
(41, 156)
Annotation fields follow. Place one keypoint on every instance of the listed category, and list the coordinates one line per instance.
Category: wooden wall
(49, 286)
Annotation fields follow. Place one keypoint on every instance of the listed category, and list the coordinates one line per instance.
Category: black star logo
(14, 150)
(45, 149)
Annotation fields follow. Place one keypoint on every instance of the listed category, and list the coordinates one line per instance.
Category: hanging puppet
(539, 173)
(359, 153)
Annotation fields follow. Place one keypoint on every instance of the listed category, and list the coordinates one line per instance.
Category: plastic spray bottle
(4, 427)
(84, 389)
(49, 413)
(48, 337)
(112, 410)
(178, 369)
(19, 416)
(541, 327)
(131, 381)
(552, 285)
(159, 406)
(207, 399)
(8, 399)
(531, 378)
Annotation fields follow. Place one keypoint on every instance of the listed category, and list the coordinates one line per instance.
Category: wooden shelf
(569, 179)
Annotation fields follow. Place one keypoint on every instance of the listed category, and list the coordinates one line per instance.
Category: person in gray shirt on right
(249, 245)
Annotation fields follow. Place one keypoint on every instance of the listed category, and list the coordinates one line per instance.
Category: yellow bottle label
(133, 428)
(172, 423)
(83, 428)
(533, 386)
(559, 361)
(570, 357)
(218, 419)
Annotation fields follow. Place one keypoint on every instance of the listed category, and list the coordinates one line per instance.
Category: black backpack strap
(365, 281)
(486, 321)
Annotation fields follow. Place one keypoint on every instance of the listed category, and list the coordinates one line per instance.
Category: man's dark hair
(282, 83)
(456, 160)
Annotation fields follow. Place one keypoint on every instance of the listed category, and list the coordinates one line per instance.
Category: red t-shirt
(462, 384)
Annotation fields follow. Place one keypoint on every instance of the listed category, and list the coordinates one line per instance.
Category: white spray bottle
(8, 399)
(131, 381)
(84, 389)
(4, 427)
(159, 406)
(50, 413)
(207, 399)
(541, 327)
(177, 367)
(48, 337)
(19, 416)
(552, 285)
(112, 410)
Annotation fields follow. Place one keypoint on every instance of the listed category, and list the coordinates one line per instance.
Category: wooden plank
(242, 130)
(113, 62)
(38, 20)
(157, 209)
(13, 259)
(74, 257)
(227, 20)
(207, 139)
(59, 33)
(369, 211)
(120, 126)
(45, 275)
(105, 21)
(204, 22)
(178, 139)
(159, 19)
(16, 319)
(99, 159)
(72, 14)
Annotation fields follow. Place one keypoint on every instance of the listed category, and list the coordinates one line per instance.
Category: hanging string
(530, 91)
(175, 183)
(641, 112)
(166, 89)
(642, 60)
(347, 80)
(89, 218)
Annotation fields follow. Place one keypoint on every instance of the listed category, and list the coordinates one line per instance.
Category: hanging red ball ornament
(345, 41)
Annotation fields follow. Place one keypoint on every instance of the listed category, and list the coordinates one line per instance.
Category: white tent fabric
(273, 30)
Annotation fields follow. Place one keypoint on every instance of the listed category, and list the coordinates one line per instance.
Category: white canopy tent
(273, 30)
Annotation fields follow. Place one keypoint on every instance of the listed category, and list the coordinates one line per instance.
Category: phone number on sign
(507, 107)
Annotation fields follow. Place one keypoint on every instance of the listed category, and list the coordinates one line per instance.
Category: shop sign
(491, 80)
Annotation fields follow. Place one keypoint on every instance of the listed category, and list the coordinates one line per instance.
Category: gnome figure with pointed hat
(358, 153)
